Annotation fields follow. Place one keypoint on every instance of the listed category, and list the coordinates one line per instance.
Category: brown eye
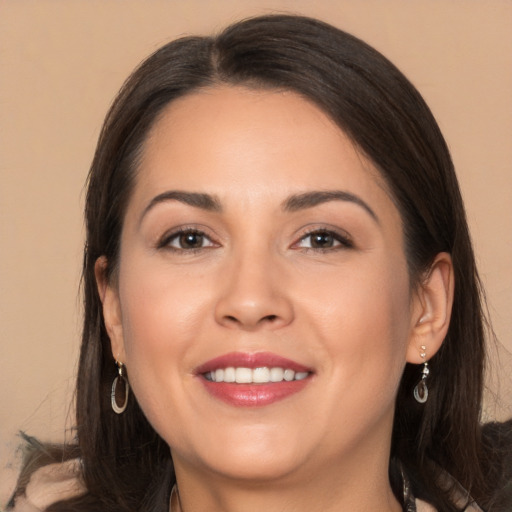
(190, 240)
(322, 240)
(186, 240)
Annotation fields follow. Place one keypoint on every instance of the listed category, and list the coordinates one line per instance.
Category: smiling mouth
(262, 375)
(253, 379)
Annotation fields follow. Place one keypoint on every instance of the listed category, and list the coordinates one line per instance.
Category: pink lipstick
(258, 379)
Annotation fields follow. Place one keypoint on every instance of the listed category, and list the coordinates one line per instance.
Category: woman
(282, 309)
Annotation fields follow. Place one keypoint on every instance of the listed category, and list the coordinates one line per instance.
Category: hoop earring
(421, 389)
(120, 377)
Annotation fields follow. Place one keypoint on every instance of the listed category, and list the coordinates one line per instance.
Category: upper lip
(250, 360)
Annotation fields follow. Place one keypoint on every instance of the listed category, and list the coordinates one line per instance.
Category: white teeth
(289, 375)
(243, 376)
(260, 375)
(229, 375)
(276, 374)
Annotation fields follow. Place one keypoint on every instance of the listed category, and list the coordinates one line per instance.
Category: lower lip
(254, 395)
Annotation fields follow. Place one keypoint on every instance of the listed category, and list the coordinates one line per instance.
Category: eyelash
(167, 239)
(344, 242)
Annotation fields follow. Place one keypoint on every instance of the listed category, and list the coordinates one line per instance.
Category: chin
(255, 470)
(248, 455)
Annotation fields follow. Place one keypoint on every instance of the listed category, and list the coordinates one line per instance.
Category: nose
(253, 296)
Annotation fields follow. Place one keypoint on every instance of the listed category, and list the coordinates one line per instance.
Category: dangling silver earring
(120, 377)
(421, 389)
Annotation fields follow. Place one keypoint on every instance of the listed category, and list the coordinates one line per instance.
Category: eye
(187, 239)
(323, 239)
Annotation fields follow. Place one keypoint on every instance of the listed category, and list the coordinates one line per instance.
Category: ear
(112, 317)
(432, 310)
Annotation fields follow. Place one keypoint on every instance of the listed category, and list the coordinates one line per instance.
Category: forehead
(238, 133)
(252, 150)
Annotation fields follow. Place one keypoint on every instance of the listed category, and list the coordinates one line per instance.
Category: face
(263, 305)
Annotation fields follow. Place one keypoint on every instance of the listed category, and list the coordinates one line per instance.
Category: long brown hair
(126, 465)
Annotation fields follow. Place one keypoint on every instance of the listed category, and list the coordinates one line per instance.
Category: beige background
(61, 63)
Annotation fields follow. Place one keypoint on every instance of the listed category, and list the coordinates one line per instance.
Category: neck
(258, 502)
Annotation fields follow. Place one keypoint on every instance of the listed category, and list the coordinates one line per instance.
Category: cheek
(364, 321)
(162, 315)
(161, 309)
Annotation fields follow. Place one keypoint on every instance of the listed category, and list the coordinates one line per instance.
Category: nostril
(267, 318)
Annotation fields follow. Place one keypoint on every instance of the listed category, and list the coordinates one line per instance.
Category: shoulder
(49, 484)
(497, 441)
(422, 506)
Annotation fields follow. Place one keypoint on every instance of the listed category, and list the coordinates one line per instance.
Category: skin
(256, 284)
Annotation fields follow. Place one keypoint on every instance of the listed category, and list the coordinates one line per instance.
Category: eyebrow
(196, 199)
(310, 199)
(293, 203)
